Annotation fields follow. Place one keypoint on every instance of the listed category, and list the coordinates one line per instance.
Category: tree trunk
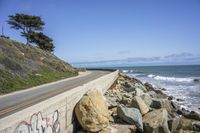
(27, 40)
(28, 31)
(25, 33)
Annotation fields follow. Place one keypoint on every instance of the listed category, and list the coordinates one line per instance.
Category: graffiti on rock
(38, 124)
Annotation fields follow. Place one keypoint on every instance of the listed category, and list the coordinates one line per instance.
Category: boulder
(158, 91)
(92, 112)
(163, 89)
(129, 89)
(188, 125)
(185, 124)
(111, 102)
(182, 111)
(138, 92)
(170, 98)
(109, 129)
(148, 86)
(128, 95)
(196, 80)
(156, 122)
(123, 128)
(140, 86)
(192, 115)
(147, 99)
(156, 103)
(131, 116)
(127, 84)
(186, 131)
(137, 102)
(179, 100)
(153, 94)
(196, 126)
(163, 103)
(114, 93)
(157, 94)
(126, 101)
(114, 110)
(109, 93)
(175, 105)
(117, 87)
(189, 114)
(174, 124)
(168, 105)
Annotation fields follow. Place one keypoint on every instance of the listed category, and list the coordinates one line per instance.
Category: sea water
(181, 82)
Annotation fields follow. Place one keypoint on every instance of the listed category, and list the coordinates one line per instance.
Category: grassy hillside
(23, 66)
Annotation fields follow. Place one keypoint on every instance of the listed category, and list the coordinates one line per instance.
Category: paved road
(19, 100)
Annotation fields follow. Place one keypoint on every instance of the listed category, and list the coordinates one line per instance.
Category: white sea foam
(135, 74)
(173, 79)
(124, 71)
(157, 77)
(151, 76)
(184, 88)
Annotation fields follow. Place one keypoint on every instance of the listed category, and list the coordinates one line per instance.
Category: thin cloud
(181, 55)
(124, 52)
(139, 59)
(173, 59)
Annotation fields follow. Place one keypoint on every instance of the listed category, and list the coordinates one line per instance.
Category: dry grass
(23, 66)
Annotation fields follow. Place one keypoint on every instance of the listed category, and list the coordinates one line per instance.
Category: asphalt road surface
(16, 101)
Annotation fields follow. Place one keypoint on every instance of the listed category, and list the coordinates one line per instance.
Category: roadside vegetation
(10, 83)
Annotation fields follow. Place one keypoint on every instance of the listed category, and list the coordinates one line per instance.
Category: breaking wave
(157, 77)
(125, 71)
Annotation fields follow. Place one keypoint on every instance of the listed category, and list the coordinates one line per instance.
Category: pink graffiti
(38, 124)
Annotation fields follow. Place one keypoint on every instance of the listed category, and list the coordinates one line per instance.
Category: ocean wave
(157, 77)
(151, 75)
(127, 71)
(173, 79)
(124, 71)
(135, 74)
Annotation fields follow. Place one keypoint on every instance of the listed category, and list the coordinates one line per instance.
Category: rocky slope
(130, 106)
(23, 66)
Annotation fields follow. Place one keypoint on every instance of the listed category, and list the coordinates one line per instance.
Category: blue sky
(110, 30)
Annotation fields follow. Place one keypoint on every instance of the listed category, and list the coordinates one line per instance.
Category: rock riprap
(92, 112)
(156, 122)
(133, 107)
(137, 102)
(131, 116)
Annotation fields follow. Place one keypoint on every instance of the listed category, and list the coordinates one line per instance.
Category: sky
(142, 32)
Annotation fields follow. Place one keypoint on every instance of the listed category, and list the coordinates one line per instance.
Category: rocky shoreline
(130, 106)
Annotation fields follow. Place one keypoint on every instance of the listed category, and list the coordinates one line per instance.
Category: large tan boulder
(92, 112)
(156, 121)
(137, 102)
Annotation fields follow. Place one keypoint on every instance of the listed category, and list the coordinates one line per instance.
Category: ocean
(181, 82)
